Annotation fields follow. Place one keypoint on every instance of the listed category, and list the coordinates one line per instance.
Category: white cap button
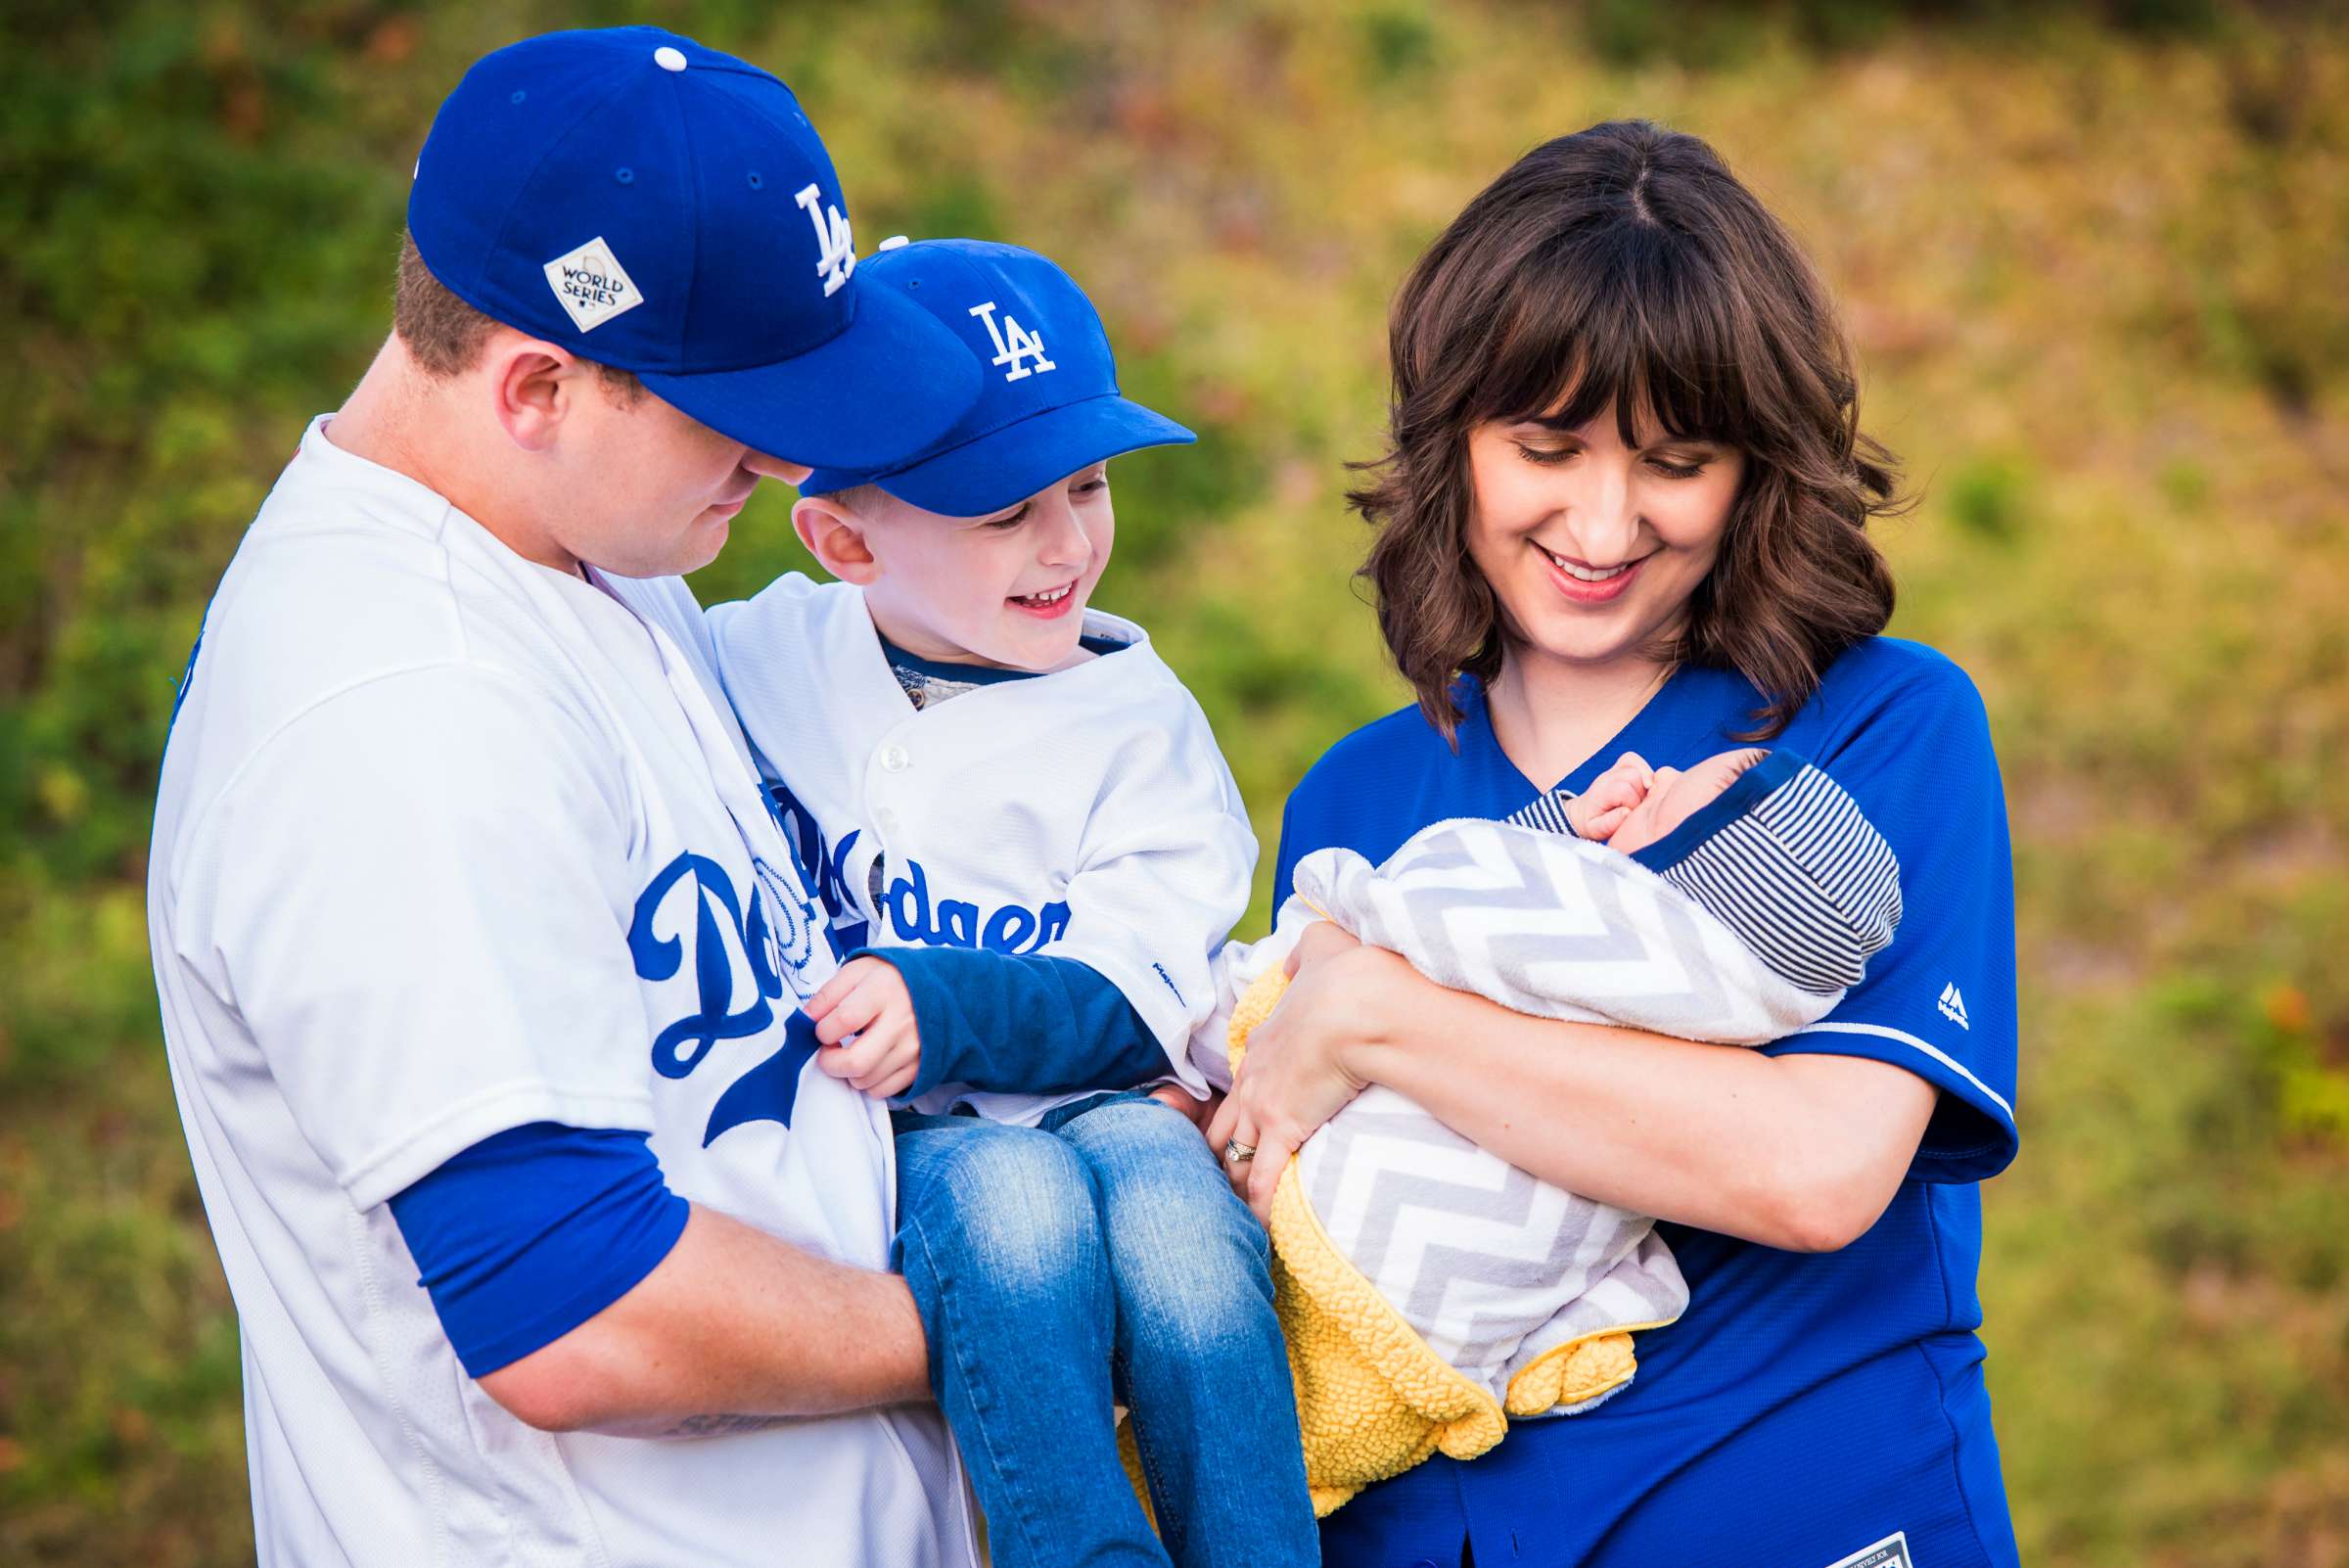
(894, 758)
(669, 58)
(892, 243)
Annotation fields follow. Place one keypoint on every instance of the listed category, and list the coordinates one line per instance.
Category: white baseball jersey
(447, 843)
(1084, 813)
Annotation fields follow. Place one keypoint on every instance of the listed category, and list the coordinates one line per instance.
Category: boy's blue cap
(1048, 402)
(663, 208)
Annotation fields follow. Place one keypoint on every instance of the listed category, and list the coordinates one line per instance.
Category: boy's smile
(1007, 590)
(1050, 604)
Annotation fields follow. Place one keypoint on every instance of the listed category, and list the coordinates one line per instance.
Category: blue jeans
(1102, 1258)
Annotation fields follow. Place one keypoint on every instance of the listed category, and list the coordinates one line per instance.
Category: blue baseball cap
(663, 208)
(1049, 401)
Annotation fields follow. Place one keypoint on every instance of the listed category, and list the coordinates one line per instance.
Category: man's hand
(1613, 795)
(864, 1016)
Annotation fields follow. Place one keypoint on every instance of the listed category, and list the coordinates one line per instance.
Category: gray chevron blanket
(1743, 927)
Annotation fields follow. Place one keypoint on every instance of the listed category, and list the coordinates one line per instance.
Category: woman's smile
(1588, 584)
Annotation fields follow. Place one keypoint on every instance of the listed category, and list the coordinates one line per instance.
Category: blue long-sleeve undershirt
(1021, 1023)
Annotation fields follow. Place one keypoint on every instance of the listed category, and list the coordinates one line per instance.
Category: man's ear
(835, 535)
(533, 384)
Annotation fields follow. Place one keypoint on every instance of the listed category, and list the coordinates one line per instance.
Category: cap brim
(888, 386)
(1006, 466)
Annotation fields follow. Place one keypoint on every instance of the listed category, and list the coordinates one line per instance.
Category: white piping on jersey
(1934, 1051)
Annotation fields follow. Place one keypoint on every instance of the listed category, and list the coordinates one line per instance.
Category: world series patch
(1890, 1553)
(592, 285)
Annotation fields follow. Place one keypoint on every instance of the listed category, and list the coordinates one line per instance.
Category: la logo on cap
(592, 285)
(1015, 346)
(836, 246)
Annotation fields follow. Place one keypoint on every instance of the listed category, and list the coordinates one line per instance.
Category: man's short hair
(445, 335)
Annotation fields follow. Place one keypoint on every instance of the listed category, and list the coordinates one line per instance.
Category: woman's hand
(1296, 1074)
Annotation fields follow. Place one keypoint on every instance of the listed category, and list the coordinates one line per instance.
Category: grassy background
(2094, 258)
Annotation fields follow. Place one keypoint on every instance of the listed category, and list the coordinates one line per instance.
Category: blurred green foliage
(2092, 256)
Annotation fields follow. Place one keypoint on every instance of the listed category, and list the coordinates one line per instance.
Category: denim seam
(1153, 1477)
(954, 1345)
(1255, 1263)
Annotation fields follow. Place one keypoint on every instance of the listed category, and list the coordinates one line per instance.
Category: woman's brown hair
(1625, 266)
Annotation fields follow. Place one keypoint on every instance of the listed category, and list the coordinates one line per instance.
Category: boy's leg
(1000, 1242)
(1198, 1344)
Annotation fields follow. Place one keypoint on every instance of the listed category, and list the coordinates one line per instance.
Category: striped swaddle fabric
(1752, 926)
(1788, 862)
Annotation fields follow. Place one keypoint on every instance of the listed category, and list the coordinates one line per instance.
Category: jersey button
(886, 820)
(896, 759)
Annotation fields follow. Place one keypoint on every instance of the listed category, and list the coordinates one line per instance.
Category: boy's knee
(1013, 1203)
(1198, 1304)
(1194, 1264)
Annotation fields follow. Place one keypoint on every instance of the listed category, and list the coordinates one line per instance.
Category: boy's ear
(835, 535)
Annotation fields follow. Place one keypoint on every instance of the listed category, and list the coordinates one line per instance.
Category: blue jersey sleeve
(1021, 1023)
(1939, 1002)
(528, 1233)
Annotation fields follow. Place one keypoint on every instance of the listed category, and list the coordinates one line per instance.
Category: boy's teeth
(1049, 597)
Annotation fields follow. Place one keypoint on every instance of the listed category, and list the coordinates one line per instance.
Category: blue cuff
(528, 1233)
(1021, 1023)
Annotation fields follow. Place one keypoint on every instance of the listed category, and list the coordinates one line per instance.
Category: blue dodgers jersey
(1808, 1407)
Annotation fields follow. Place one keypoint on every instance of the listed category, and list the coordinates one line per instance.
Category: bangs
(1630, 316)
(1625, 266)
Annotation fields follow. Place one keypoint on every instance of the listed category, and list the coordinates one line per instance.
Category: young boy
(1029, 848)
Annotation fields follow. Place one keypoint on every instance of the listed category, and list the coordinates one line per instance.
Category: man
(480, 956)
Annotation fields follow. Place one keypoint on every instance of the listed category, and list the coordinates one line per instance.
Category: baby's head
(985, 547)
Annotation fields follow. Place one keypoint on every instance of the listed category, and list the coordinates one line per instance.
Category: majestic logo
(836, 252)
(1014, 344)
(592, 285)
(689, 919)
(1953, 1006)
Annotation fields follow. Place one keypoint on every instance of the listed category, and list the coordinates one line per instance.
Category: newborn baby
(1427, 1287)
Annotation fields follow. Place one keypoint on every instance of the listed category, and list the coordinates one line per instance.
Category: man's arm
(733, 1329)
(581, 1292)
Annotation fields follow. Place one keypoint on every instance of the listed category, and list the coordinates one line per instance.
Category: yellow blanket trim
(1372, 1400)
(1577, 1370)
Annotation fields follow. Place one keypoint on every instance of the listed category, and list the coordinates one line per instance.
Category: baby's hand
(1674, 797)
(1614, 795)
(868, 999)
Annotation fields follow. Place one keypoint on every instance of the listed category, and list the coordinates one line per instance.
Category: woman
(1624, 510)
